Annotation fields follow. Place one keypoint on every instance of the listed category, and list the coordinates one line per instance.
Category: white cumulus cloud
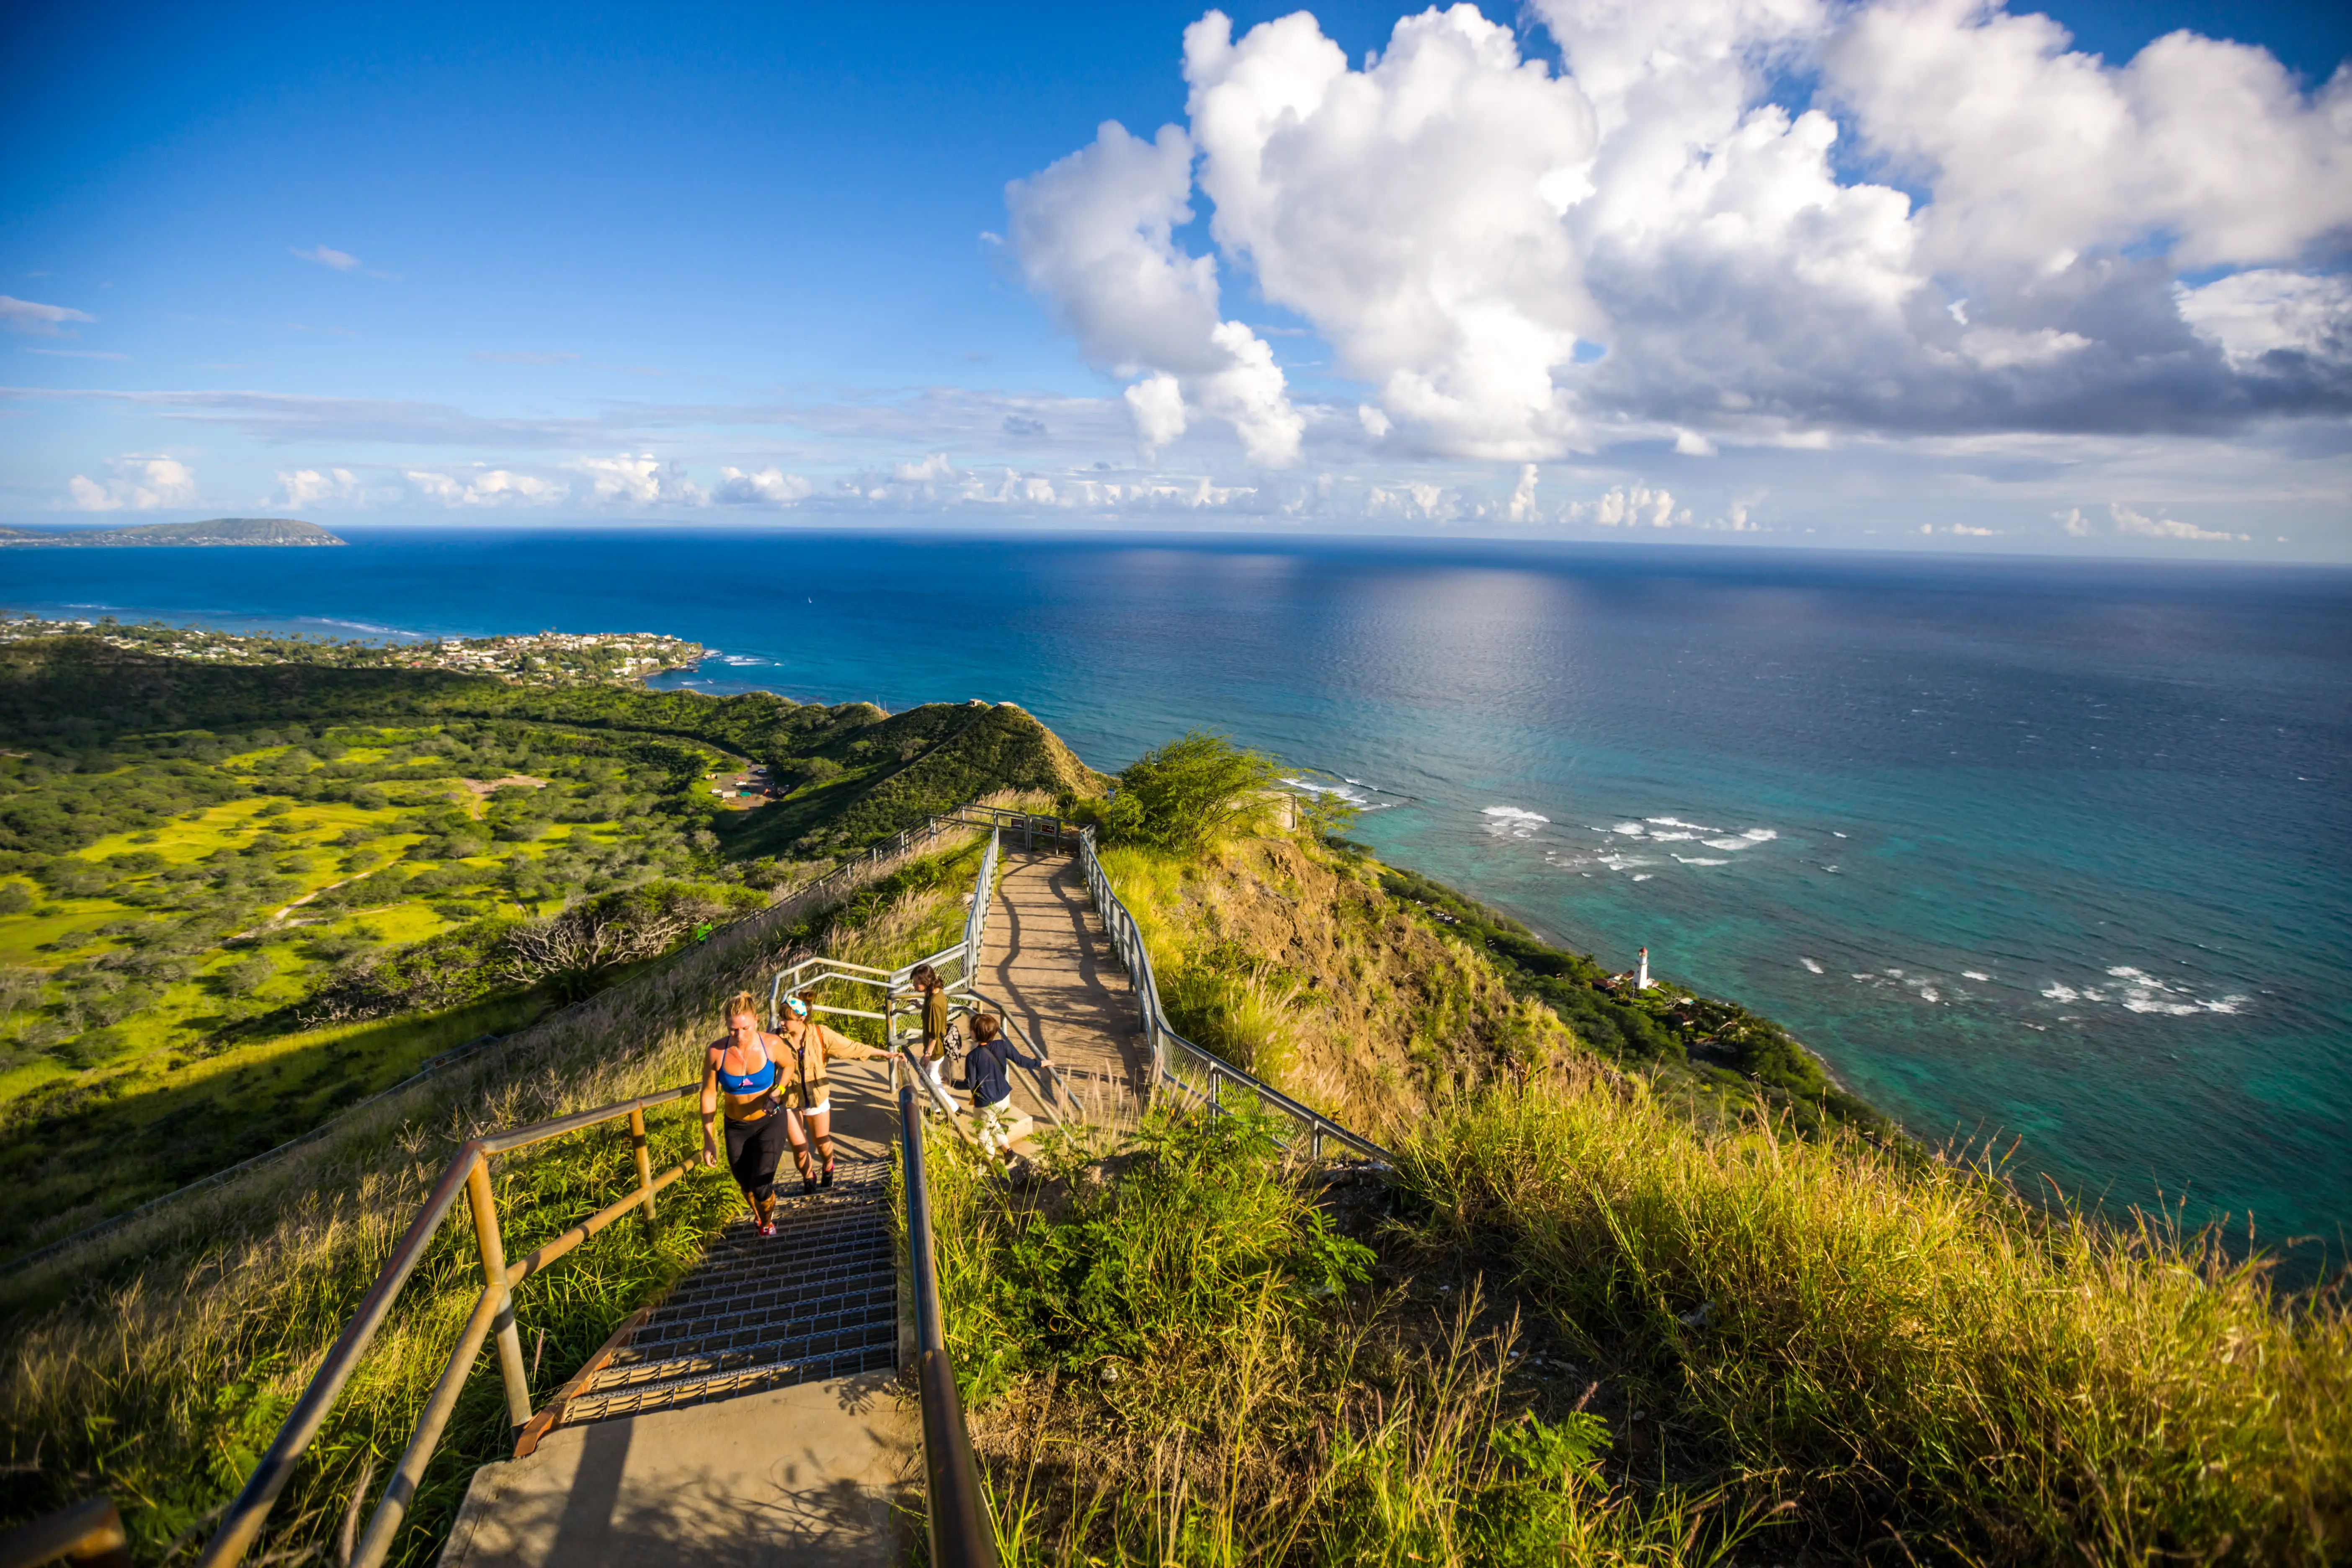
(299, 488)
(1662, 240)
(487, 487)
(2251, 315)
(933, 469)
(642, 479)
(1631, 506)
(769, 486)
(1411, 210)
(138, 484)
(2130, 522)
(1094, 234)
(1522, 505)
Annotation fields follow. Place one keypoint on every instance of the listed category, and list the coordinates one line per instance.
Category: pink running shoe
(768, 1228)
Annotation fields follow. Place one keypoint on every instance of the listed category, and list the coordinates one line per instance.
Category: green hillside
(231, 896)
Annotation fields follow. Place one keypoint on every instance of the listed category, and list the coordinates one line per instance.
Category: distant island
(218, 531)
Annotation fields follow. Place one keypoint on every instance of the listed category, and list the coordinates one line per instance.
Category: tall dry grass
(1178, 1362)
(1916, 1357)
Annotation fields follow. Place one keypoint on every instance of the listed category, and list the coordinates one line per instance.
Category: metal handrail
(493, 1314)
(88, 1535)
(467, 1171)
(1127, 939)
(962, 1535)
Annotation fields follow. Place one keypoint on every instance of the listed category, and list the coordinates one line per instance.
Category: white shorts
(792, 1119)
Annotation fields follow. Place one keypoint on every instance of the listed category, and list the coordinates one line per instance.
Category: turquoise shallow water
(2034, 849)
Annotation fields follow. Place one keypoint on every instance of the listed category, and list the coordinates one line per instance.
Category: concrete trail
(1046, 961)
(752, 1420)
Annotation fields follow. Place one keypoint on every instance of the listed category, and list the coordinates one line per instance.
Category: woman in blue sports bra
(740, 1069)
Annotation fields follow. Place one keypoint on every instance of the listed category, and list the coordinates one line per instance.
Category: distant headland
(218, 531)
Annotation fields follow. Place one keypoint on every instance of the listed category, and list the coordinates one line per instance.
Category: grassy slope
(101, 1139)
(157, 1372)
(1849, 1345)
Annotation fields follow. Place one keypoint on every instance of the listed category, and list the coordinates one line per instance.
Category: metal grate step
(817, 1299)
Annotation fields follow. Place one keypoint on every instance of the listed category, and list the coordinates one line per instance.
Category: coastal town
(542, 659)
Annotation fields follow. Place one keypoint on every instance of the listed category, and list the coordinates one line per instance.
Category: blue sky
(416, 263)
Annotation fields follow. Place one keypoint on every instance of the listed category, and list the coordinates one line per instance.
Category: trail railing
(1200, 1077)
(467, 1171)
(493, 1315)
(962, 1535)
(958, 967)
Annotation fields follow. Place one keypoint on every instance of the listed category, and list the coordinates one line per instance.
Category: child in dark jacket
(986, 1072)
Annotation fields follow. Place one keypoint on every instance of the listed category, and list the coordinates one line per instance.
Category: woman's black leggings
(752, 1149)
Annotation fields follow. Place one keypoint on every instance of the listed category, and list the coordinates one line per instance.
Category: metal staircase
(819, 1298)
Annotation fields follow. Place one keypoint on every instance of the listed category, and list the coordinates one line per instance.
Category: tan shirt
(802, 1080)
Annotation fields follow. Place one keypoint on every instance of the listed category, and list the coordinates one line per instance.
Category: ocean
(2044, 851)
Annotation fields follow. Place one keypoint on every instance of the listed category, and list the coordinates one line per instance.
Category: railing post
(494, 1270)
(645, 1166)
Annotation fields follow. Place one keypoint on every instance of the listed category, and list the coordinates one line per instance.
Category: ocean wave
(1974, 975)
(372, 628)
(1700, 860)
(1513, 822)
(1677, 822)
(1630, 830)
(1351, 791)
(1727, 843)
(1675, 837)
(2137, 991)
(1811, 964)
(1641, 876)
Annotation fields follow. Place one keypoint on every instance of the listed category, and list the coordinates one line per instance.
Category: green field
(173, 938)
(234, 898)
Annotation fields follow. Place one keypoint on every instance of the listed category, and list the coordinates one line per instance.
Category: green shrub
(1176, 1361)
(1190, 794)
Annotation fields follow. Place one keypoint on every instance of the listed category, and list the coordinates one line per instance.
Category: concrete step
(817, 1299)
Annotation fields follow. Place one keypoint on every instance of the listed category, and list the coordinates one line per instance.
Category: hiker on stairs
(991, 1085)
(740, 1068)
(934, 1049)
(805, 1090)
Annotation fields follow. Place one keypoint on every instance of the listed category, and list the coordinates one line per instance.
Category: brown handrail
(89, 1534)
(467, 1171)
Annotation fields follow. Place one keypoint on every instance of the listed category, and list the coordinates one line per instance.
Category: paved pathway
(1046, 963)
(752, 1420)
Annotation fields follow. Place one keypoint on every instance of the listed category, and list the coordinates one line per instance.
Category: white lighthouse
(1642, 972)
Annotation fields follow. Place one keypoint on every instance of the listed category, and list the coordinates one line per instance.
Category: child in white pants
(992, 1085)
